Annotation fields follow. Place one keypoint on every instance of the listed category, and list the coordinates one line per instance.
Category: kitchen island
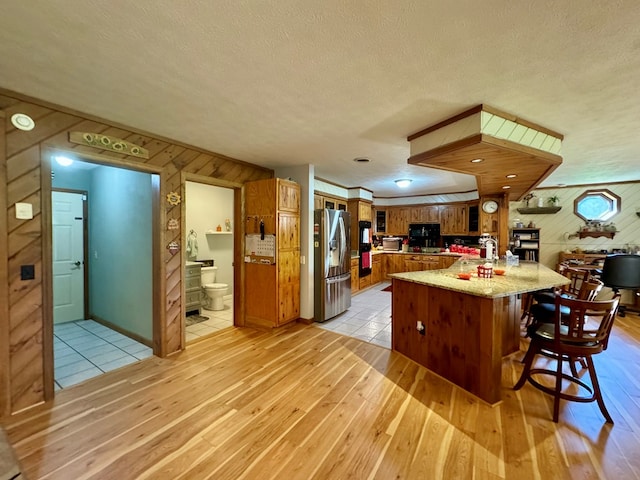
(469, 325)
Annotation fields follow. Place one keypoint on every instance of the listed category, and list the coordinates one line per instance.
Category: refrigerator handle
(343, 237)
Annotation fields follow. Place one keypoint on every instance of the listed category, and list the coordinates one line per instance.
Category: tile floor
(84, 349)
(217, 321)
(368, 318)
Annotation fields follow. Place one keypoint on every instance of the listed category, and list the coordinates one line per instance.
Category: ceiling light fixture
(63, 161)
(511, 175)
(506, 187)
(477, 160)
(403, 182)
(22, 121)
(361, 160)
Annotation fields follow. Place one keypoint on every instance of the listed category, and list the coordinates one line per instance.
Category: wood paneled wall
(25, 177)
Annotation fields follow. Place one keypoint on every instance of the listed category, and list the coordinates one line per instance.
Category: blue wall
(120, 249)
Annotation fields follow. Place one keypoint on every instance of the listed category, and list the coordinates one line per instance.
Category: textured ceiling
(306, 82)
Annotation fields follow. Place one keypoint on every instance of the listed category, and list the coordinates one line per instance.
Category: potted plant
(554, 201)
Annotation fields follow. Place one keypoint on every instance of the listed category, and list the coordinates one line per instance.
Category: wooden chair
(577, 277)
(582, 333)
(543, 312)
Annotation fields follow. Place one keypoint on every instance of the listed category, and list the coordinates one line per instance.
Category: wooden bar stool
(582, 333)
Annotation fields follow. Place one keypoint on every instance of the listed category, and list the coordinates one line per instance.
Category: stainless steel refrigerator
(332, 263)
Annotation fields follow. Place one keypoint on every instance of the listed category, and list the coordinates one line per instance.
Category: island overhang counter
(469, 325)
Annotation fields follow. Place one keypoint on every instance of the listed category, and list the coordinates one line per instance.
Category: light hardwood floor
(304, 403)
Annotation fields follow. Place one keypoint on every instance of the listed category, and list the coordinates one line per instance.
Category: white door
(68, 256)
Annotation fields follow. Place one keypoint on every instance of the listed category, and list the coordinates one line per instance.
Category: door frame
(85, 242)
(158, 267)
(238, 243)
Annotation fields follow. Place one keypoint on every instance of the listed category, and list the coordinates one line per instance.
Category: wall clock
(490, 206)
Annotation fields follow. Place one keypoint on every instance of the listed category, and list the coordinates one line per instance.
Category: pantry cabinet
(272, 274)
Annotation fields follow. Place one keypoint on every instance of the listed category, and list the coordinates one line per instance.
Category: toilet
(214, 292)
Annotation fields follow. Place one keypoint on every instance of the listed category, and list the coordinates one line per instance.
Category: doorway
(210, 231)
(102, 257)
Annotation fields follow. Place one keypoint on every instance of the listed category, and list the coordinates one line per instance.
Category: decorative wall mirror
(600, 204)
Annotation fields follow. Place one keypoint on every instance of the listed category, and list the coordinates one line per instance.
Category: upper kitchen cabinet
(360, 211)
(453, 220)
(398, 220)
(425, 214)
(381, 221)
(473, 223)
(364, 211)
(333, 203)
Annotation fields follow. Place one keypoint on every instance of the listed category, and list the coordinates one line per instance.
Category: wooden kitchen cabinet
(453, 220)
(418, 263)
(447, 260)
(273, 288)
(354, 275)
(425, 214)
(398, 220)
(364, 211)
(393, 263)
(376, 269)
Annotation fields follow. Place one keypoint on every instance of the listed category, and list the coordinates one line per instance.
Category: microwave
(391, 243)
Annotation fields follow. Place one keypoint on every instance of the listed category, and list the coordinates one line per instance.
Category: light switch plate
(24, 211)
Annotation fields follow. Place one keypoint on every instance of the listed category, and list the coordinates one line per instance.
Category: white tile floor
(368, 318)
(84, 349)
(218, 319)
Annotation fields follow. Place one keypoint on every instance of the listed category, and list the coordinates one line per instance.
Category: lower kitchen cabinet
(364, 282)
(355, 284)
(376, 269)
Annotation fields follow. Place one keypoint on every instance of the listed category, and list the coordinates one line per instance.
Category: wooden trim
(589, 185)
(488, 109)
(238, 260)
(339, 185)
(428, 195)
(444, 123)
(47, 275)
(5, 358)
(123, 331)
(103, 159)
(159, 291)
(87, 116)
(418, 158)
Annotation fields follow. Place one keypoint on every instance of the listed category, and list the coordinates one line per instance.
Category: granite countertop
(525, 277)
(437, 253)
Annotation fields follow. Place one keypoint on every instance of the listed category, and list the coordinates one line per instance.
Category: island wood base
(466, 336)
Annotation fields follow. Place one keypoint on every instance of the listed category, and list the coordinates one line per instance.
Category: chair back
(578, 277)
(621, 271)
(589, 290)
(586, 329)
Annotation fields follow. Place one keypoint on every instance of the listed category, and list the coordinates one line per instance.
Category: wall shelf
(218, 233)
(537, 210)
(596, 234)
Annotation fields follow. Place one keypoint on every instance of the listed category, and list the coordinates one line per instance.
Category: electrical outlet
(27, 272)
(303, 259)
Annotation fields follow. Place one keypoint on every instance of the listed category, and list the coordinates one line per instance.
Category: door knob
(78, 263)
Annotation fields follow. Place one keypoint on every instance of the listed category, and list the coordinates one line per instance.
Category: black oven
(364, 248)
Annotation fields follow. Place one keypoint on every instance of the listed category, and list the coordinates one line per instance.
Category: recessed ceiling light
(361, 160)
(511, 175)
(477, 160)
(64, 161)
(403, 182)
(506, 187)
(22, 121)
